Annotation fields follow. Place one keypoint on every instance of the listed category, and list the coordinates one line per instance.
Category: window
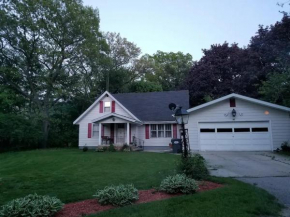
(96, 130)
(224, 130)
(161, 130)
(240, 130)
(207, 130)
(107, 107)
(168, 130)
(153, 130)
(260, 129)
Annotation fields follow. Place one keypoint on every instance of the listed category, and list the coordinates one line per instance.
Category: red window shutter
(89, 130)
(174, 131)
(147, 131)
(112, 132)
(232, 102)
(103, 130)
(101, 106)
(113, 106)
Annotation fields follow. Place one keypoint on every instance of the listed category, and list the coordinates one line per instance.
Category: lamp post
(181, 117)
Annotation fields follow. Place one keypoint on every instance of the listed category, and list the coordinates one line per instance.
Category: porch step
(135, 148)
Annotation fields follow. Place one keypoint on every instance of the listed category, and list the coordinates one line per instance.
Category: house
(231, 123)
(122, 118)
(238, 123)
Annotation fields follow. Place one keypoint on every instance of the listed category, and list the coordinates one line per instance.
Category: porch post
(100, 134)
(128, 133)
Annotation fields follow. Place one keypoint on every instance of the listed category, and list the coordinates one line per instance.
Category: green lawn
(73, 175)
(284, 153)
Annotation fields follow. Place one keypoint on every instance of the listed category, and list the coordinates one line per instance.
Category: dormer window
(107, 107)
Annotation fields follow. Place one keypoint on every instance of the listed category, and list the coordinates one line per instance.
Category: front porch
(115, 133)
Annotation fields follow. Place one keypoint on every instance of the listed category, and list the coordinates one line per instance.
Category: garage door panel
(206, 136)
(238, 136)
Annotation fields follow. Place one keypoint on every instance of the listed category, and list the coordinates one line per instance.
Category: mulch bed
(91, 206)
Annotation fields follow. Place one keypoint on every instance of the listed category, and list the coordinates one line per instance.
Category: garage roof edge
(234, 95)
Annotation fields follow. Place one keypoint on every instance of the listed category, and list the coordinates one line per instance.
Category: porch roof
(110, 115)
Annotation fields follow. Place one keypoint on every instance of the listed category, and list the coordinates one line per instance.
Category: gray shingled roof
(153, 106)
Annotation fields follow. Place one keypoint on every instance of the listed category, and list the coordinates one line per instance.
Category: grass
(73, 175)
(284, 153)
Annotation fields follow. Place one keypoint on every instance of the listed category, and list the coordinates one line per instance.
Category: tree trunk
(45, 129)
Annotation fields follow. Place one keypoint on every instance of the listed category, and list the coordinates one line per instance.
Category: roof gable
(95, 104)
(234, 95)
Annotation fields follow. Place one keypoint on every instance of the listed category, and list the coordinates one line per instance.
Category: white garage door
(238, 136)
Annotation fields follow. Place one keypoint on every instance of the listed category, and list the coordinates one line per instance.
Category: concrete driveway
(266, 170)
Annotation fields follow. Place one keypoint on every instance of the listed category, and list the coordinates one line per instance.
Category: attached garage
(238, 123)
(237, 136)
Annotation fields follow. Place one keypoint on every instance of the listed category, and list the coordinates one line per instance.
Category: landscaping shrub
(125, 147)
(179, 183)
(32, 205)
(285, 147)
(120, 195)
(85, 149)
(193, 167)
(111, 148)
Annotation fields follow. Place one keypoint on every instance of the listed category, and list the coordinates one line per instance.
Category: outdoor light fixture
(234, 113)
(181, 116)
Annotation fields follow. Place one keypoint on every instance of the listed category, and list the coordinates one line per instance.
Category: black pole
(185, 152)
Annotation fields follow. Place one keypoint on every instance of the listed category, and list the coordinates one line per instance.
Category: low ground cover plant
(179, 183)
(32, 205)
(120, 195)
(285, 146)
(193, 167)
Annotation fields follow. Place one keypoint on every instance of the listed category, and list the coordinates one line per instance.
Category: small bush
(178, 184)
(85, 149)
(111, 148)
(125, 147)
(32, 205)
(193, 167)
(285, 147)
(120, 195)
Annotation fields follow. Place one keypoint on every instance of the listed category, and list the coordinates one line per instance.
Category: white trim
(106, 92)
(159, 122)
(234, 95)
(116, 115)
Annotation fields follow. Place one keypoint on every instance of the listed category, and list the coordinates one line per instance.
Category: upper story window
(107, 107)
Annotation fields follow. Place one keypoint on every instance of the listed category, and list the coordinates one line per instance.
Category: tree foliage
(167, 69)
(222, 70)
(44, 46)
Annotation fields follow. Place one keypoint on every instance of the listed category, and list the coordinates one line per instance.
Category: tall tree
(271, 45)
(222, 70)
(42, 45)
(123, 54)
(167, 69)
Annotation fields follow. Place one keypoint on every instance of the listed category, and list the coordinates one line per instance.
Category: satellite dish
(172, 106)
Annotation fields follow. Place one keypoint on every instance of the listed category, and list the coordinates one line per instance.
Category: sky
(185, 25)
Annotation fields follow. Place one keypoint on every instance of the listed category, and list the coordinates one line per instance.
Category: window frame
(97, 131)
(160, 131)
(110, 107)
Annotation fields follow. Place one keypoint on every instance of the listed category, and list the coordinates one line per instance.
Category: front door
(120, 134)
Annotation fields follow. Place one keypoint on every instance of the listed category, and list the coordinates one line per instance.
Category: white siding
(246, 111)
(92, 114)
